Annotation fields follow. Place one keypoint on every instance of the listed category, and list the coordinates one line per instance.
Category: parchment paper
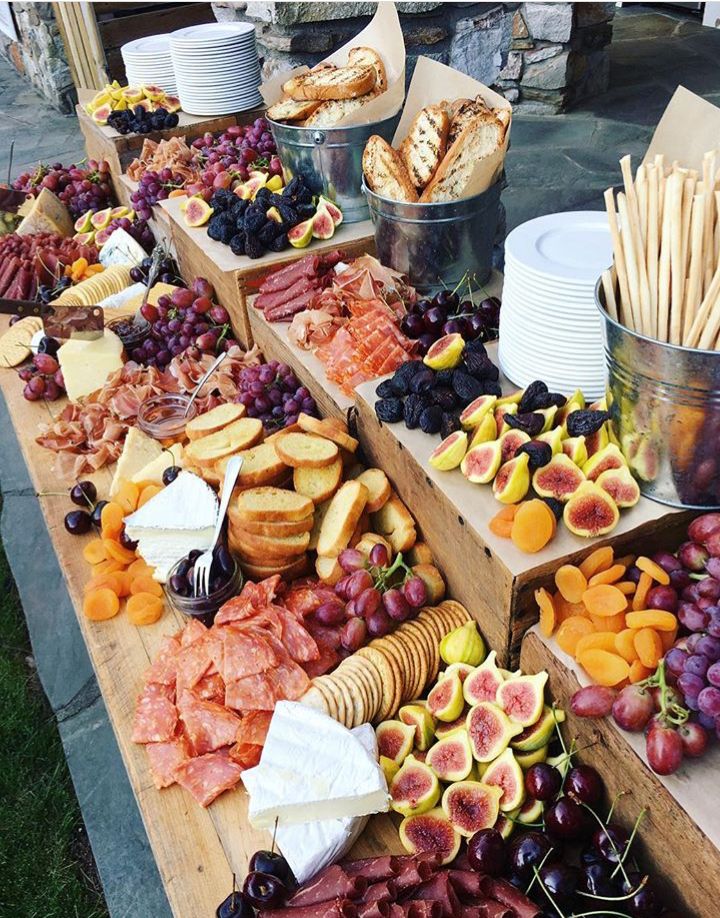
(689, 127)
(431, 83)
(384, 35)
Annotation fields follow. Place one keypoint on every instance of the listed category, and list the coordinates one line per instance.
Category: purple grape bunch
(272, 393)
(154, 187)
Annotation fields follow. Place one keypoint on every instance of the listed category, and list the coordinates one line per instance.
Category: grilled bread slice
(480, 138)
(336, 83)
(385, 171)
(424, 147)
(370, 57)
(330, 113)
(463, 115)
(288, 109)
(503, 115)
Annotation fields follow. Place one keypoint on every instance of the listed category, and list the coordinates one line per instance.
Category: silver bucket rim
(459, 202)
(327, 130)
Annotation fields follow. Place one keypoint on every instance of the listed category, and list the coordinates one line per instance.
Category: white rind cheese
(121, 249)
(86, 365)
(138, 451)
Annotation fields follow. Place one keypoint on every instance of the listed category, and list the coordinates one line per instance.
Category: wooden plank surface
(196, 850)
(680, 836)
(493, 578)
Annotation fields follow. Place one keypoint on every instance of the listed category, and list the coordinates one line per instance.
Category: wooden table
(493, 578)
(680, 835)
(196, 850)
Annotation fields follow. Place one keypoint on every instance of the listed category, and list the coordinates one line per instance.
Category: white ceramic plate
(516, 268)
(147, 45)
(212, 34)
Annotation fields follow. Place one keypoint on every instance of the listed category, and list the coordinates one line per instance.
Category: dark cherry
(78, 522)
(84, 494)
(646, 902)
(590, 855)
(96, 515)
(423, 305)
(412, 325)
(235, 906)
(434, 319)
(528, 851)
(566, 819)
(595, 879)
(487, 853)
(543, 781)
(264, 890)
(224, 560)
(610, 842)
(126, 541)
(170, 474)
(584, 784)
(273, 864)
(561, 881)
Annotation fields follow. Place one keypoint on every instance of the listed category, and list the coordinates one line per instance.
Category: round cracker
(418, 639)
(370, 678)
(15, 343)
(348, 702)
(402, 647)
(314, 698)
(387, 679)
(358, 695)
(329, 695)
(336, 690)
(397, 665)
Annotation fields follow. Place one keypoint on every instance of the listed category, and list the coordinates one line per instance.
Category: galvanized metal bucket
(665, 405)
(435, 245)
(330, 160)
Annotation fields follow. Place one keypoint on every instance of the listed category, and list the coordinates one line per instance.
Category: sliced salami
(193, 630)
(194, 661)
(245, 654)
(299, 643)
(247, 755)
(207, 776)
(208, 726)
(330, 883)
(290, 681)
(254, 727)
(164, 667)
(211, 688)
(165, 758)
(373, 869)
(253, 693)
(155, 719)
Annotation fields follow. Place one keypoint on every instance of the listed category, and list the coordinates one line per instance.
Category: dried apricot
(638, 672)
(139, 567)
(571, 582)
(564, 609)
(144, 608)
(147, 493)
(625, 645)
(108, 566)
(626, 586)
(667, 639)
(626, 561)
(641, 593)
(656, 572)
(600, 640)
(109, 581)
(604, 667)
(570, 632)
(94, 552)
(127, 496)
(651, 618)
(116, 551)
(500, 527)
(145, 584)
(598, 560)
(614, 623)
(111, 520)
(604, 599)
(532, 527)
(547, 611)
(611, 575)
(99, 605)
(648, 646)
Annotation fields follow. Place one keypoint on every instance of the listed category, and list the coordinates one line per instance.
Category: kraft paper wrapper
(384, 35)
(433, 82)
(689, 127)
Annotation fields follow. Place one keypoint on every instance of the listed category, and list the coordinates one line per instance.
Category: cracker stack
(370, 685)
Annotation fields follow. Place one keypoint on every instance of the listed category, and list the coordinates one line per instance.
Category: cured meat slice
(285, 311)
(245, 654)
(330, 883)
(340, 908)
(466, 883)
(379, 909)
(193, 630)
(207, 776)
(487, 909)
(373, 869)
(211, 688)
(509, 896)
(327, 660)
(159, 688)
(289, 680)
(285, 277)
(165, 758)
(247, 755)
(439, 889)
(414, 870)
(425, 908)
(298, 642)
(194, 660)
(381, 891)
(254, 727)
(252, 693)
(164, 667)
(155, 719)
(209, 726)
(253, 598)
(273, 298)
(303, 600)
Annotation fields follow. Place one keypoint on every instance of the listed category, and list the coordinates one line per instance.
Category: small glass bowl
(205, 608)
(131, 330)
(163, 416)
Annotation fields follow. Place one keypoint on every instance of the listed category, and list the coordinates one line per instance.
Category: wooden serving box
(237, 277)
(679, 836)
(493, 578)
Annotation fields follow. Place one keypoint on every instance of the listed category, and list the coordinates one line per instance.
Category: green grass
(46, 868)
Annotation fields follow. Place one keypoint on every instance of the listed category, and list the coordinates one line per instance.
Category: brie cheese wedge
(121, 249)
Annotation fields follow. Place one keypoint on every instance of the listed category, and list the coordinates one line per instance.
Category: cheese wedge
(87, 364)
(47, 214)
(154, 469)
(138, 450)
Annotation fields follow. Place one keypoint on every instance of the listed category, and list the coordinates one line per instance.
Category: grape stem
(614, 804)
(671, 713)
(381, 575)
(610, 839)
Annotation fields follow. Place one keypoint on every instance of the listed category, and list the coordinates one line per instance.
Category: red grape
(593, 701)
(378, 623)
(45, 364)
(415, 592)
(662, 597)
(396, 605)
(693, 556)
(664, 750)
(353, 634)
(368, 602)
(694, 739)
(350, 560)
(202, 288)
(703, 526)
(709, 701)
(379, 555)
(330, 613)
(358, 582)
(633, 708)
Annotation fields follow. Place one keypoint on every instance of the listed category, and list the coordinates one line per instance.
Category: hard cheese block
(176, 521)
(153, 472)
(138, 451)
(47, 214)
(312, 768)
(86, 365)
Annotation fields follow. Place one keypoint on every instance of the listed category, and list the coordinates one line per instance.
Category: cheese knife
(84, 322)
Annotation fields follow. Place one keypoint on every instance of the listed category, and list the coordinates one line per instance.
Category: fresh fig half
(559, 479)
(390, 768)
(591, 512)
(530, 812)
(462, 669)
(541, 732)
(450, 453)
(506, 774)
(609, 457)
(620, 485)
(463, 645)
(323, 226)
(522, 698)
(597, 441)
(451, 758)
(505, 825)
(526, 759)
(445, 353)
(483, 682)
(480, 464)
(485, 431)
(395, 740)
(332, 208)
(414, 789)
(445, 700)
(554, 438)
(442, 730)
(512, 481)
(430, 833)
(197, 212)
(489, 731)
(477, 410)
(575, 449)
(418, 717)
(510, 443)
(471, 806)
(500, 413)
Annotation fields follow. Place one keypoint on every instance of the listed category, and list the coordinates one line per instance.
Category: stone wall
(543, 57)
(39, 54)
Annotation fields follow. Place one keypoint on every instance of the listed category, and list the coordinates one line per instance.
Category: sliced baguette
(318, 484)
(370, 58)
(288, 109)
(379, 488)
(235, 437)
(266, 505)
(504, 116)
(281, 433)
(330, 429)
(274, 529)
(385, 171)
(328, 570)
(482, 137)
(320, 514)
(332, 83)
(332, 112)
(289, 571)
(261, 465)
(270, 547)
(306, 451)
(463, 115)
(424, 147)
(214, 420)
(341, 518)
(395, 522)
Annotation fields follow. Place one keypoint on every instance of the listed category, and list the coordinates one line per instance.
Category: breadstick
(712, 325)
(700, 325)
(651, 256)
(630, 264)
(610, 304)
(641, 188)
(688, 193)
(664, 273)
(660, 168)
(708, 181)
(693, 293)
(634, 224)
(677, 268)
(716, 242)
(620, 267)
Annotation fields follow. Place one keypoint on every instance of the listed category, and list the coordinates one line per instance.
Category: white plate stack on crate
(148, 63)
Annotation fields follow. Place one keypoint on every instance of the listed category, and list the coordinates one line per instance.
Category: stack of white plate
(216, 67)
(148, 62)
(550, 328)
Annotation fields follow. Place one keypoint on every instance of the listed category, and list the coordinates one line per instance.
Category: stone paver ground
(556, 163)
